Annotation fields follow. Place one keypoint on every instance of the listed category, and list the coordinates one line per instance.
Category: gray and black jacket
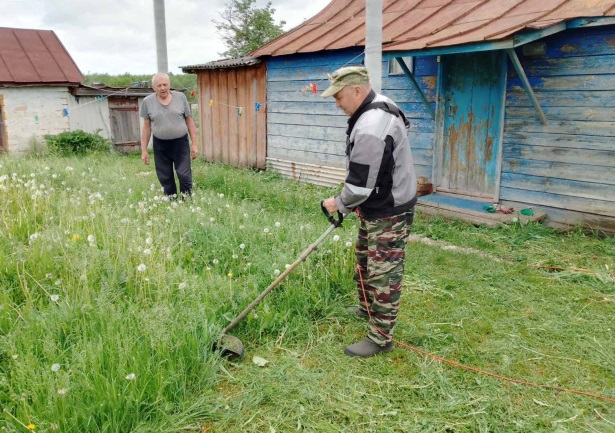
(380, 180)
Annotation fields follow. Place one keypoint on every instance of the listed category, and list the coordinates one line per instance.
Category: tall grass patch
(112, 295)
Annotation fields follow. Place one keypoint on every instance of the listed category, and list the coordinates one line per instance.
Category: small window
(395, 69)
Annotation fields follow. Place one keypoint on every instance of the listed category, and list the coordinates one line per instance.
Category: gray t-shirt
(168, 121)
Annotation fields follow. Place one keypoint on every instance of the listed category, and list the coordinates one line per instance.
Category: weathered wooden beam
(416, 86)
(526, 84)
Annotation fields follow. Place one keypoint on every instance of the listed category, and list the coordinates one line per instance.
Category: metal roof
(30, 57)
(102, 90)
(424, 24)
(223, 64)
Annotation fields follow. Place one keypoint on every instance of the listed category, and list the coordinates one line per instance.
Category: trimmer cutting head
(230, 347)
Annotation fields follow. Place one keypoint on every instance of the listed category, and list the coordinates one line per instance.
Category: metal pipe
(373, 42)
(161, 36)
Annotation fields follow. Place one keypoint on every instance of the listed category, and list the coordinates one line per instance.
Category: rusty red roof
(35, 57)
(423, 24)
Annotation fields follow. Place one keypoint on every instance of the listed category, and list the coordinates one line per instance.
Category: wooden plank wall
(304, 127)
(422, 125)
(307, 129)
(226, 136)
(566, 167)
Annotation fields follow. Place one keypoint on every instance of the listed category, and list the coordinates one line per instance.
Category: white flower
(348, 244)
(266, 230)
(62, 392)
(131, 376)
(149, 241)
(55, 367)
(276, 272)
(277, 224)
(242, 246)
(91, 238)
(141, 267)
(54, 298)
(336, 238)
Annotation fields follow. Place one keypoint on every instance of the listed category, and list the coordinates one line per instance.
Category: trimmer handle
(336, 222)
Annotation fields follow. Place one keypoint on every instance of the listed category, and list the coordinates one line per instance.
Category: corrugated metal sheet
(35, 57)
(420, 24)
(222, 64)
(310, 173)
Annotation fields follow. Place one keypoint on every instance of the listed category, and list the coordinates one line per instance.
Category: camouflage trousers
(380, 252)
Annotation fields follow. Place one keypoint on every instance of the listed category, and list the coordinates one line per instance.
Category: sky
(118, 36)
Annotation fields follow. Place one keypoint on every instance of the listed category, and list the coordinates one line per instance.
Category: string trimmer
(231, 346)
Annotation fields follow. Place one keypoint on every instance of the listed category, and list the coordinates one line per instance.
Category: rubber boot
(366, 348)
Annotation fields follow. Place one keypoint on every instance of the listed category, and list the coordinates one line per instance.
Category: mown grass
(111, 298)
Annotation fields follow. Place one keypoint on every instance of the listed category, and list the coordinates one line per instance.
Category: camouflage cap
(347, 76)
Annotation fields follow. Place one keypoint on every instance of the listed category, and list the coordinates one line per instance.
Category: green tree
(245, 27)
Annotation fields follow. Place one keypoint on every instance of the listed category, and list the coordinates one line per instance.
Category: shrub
(76, 143)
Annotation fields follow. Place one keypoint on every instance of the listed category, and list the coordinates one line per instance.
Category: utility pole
(161, 36)
(373, 42)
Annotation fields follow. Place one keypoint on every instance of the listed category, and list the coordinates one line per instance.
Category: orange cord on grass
(470, 368)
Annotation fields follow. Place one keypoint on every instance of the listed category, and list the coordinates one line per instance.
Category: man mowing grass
(380, 186)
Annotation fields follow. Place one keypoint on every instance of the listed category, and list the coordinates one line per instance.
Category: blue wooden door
(473, 87)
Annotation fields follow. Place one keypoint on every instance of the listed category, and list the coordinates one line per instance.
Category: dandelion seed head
(245, 215)
(286, 266)
(277, 224)
(147, 251)
(55, 367)
(149, 241)
(91, 238)
(182, 286)
(141, 267)
(215, 261)
(241, 227)
(221, 195)
(266, 230)
(131, 376)
(62, 392)
(235, 256)
(348, 244)
(276, 272)
(54, 298)
(336, 238)
(242, 246)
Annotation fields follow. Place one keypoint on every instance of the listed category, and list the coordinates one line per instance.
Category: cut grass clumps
(111, 297)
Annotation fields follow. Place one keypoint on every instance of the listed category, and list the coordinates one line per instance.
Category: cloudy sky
(117, 36)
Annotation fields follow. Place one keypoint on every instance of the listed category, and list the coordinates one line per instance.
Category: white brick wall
(32, 112)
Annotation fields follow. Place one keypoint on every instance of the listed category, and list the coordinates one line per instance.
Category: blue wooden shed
(510, 101)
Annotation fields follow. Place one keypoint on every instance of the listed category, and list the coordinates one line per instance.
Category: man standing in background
(166, 114)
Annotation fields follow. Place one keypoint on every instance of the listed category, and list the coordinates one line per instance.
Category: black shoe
(366, 348)
(358, 311)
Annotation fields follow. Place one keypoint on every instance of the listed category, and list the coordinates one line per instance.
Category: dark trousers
(170, 154)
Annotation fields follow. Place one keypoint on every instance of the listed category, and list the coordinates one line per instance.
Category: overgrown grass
(111, 298)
